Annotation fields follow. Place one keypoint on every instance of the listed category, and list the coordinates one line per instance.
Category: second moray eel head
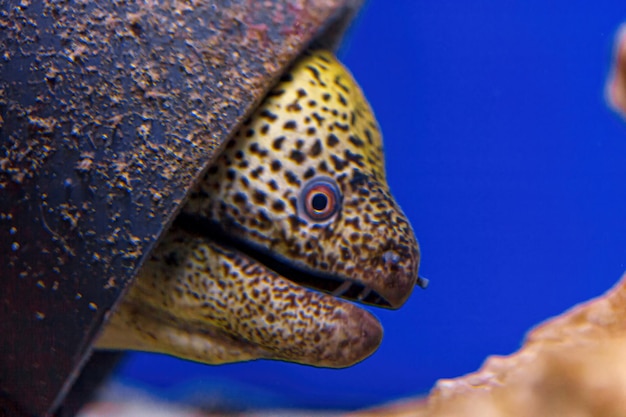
(297, 200)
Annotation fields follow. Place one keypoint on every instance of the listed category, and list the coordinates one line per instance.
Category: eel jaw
(215, 305)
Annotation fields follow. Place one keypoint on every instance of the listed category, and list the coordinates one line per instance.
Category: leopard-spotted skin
(213, 303)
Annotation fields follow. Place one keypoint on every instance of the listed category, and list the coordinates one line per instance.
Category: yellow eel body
(294, 218)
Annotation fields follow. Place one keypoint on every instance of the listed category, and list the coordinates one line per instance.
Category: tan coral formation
(573, 365)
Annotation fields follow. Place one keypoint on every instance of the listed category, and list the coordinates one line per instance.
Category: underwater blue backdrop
(502, 152)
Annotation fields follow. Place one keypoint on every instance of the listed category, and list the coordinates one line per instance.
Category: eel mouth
(335, 285)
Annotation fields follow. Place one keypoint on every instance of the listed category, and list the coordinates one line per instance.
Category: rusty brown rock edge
(109, 111)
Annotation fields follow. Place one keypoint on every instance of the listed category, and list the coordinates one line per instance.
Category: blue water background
(505, 157)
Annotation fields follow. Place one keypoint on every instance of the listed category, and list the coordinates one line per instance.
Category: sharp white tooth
(342, 289)
(366, 291)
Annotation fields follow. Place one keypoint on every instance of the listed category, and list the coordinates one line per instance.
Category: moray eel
(294, 218)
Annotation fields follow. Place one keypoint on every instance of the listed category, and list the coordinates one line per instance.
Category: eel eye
(321, 199)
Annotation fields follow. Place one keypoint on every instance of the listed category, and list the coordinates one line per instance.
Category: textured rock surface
(109, 112)
(572, 365)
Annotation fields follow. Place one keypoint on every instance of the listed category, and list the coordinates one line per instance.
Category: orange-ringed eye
(321, 199)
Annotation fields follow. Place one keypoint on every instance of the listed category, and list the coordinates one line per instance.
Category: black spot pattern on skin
(326, 97)
(294, 107)
(278, 143)
(354, 157)
(319, 119)
(292, 178)
(311, 131)
(359, 179)
(297, 156)
(276, 165)
(354, 222)
(240, 198)
(256, 173)
(264, 129)
(356, 141)
(341, 126)
(295, 222)
(259, 197)
(268, 115)
(290, 125)
(323, 58)
(256, 148)
(316, 149)
(301, 93)
(273, 185)
(278, 205)
(293, 202)
(368, 135)
(332, 140)
(316, 75)
(338, 163)
(309, 173)
(340, 84)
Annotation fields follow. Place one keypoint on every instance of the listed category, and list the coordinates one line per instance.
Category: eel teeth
(342, 289)
(366, 291)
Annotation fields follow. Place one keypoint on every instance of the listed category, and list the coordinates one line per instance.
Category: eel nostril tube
(391, 257)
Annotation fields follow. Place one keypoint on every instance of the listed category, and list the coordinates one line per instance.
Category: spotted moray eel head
(296, 202)
(304, 180)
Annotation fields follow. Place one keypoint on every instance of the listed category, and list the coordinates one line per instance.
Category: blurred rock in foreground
(573, 365)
